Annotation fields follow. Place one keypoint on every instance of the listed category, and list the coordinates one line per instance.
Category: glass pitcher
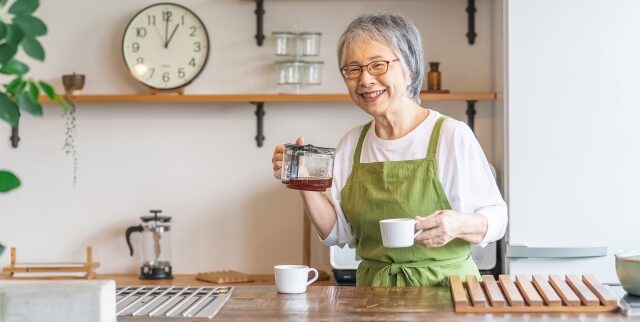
(156, 246)
(307, 167)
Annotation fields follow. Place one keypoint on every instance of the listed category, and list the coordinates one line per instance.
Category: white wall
(199, 162)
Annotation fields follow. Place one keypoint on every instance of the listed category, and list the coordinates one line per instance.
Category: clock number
(192, 62)
(182, 20)
(166, 15)
(165, 77)
(181, 73)
(151, 20)
(198, 47)
(135, 46)
(141, 32)
(151, 70)
(193, 31)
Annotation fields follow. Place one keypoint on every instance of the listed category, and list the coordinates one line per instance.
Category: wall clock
(165, 46)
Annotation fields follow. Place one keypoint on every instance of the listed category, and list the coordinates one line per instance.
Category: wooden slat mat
(531, 294)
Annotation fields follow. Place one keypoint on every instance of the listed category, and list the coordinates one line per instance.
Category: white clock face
(165, 46)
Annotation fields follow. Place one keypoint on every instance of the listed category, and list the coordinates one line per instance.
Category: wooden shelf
(259, 100)
(254, 98)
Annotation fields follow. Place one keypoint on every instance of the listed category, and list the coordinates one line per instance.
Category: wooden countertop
(261, 302)
(263, 279)
(349, 303)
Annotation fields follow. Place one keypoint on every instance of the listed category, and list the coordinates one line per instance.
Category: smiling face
(377, 95)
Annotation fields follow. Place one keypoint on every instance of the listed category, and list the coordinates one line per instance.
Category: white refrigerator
(572, 135)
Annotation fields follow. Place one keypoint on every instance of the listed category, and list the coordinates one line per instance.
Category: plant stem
(69, 140)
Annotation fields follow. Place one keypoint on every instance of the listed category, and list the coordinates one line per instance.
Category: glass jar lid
(291, 62)
(283, 33)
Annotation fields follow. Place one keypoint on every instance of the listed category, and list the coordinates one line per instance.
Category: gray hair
(395, 31)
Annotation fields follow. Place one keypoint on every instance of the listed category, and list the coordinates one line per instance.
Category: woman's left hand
(440, 227)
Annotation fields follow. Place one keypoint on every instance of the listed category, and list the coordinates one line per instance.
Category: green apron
(400, 189)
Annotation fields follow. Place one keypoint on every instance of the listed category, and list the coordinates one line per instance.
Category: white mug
(292, 279)
(398, 233)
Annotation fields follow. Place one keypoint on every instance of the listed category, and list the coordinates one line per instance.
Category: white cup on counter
(399, 232)
(293, 279)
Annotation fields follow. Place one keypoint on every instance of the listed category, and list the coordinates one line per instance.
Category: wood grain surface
(359, 304)
(493, 291)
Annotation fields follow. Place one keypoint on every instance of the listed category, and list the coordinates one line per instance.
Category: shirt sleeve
(467, 178)
(341, 233)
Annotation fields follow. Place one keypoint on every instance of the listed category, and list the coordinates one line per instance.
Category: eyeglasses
(375, 68)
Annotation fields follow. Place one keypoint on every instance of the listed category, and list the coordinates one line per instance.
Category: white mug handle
(418, 232)
(315, 277)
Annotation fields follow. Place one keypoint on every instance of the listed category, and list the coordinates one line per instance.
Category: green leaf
(27, 104)
(6, 53)
(8, 110)
(48, 89)
(51, 93)
(24, 7)
(34, 91)
(1, 246)
(33, 48)
(15, 34)
(62, 102)
(3, 29)
(30, 25)
(15, 86)
(14, 67)
(8, 182)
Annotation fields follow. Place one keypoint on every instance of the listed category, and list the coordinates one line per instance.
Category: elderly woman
(409, 162)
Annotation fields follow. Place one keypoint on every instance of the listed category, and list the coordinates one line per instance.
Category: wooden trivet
(224, 277)
(553, 293)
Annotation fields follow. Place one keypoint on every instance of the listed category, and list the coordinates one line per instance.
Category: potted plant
(19, 28)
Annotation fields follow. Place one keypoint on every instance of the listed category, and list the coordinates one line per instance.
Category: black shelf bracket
(260, 123)
(259, 22)
(471, 114)
(14, 137)
(471, 13)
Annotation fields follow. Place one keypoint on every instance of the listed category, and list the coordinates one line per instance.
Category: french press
(156, 246)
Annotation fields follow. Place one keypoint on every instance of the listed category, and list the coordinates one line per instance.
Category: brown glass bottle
(434, 78)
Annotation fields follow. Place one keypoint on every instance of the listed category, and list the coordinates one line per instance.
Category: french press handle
(130, 230)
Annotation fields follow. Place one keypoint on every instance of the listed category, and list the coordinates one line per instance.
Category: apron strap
(356, 154)
(435, 136)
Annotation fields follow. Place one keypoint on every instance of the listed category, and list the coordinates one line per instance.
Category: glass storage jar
(285, 43)
(313, 73)
(309, 43)
(291, 72)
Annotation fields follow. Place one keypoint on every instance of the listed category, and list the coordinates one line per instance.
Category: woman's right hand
(278, 156)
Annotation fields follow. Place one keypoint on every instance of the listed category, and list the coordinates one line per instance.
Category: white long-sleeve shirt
(463, 170)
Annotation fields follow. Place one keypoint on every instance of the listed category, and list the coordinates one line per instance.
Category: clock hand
(159, 33)
(171, 37)
(166, 29)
